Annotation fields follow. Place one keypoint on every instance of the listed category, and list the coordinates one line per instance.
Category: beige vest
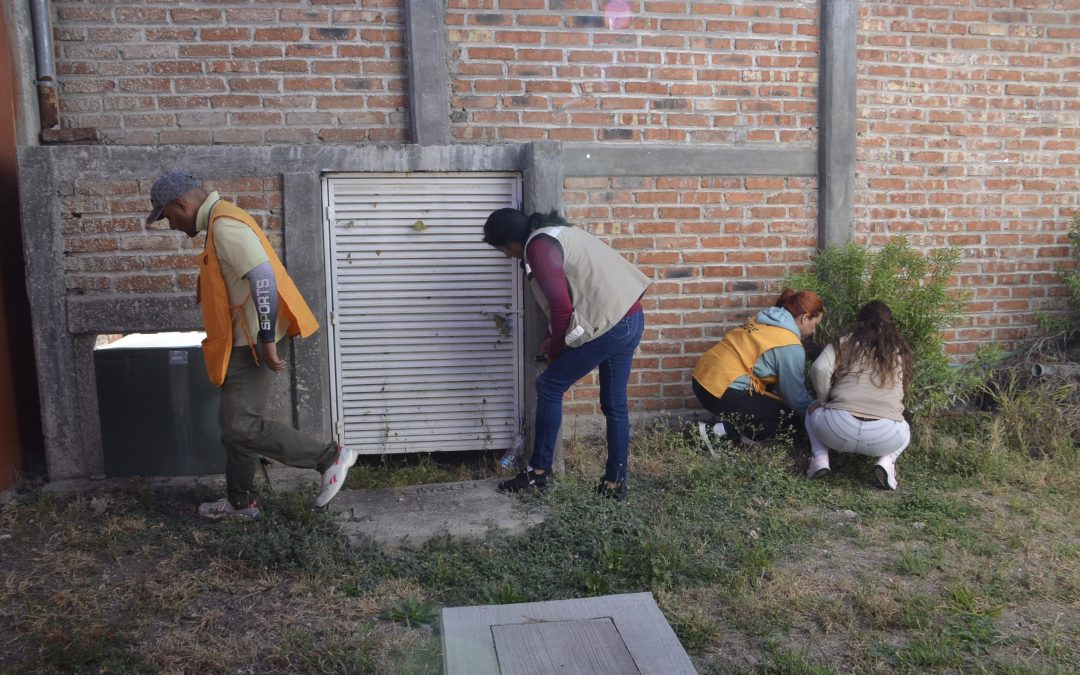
(603, 285)
(857, 392)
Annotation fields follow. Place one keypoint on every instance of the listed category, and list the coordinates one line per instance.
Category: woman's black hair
(504, 226)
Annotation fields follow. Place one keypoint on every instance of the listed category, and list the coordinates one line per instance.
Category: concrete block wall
(147, 73)
(969, 136)
(672, 71)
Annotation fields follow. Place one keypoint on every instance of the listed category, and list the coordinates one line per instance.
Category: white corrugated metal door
(426, 340)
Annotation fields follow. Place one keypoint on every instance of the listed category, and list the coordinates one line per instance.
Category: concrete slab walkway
(407, 517)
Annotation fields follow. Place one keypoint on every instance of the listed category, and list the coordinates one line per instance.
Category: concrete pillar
(542, 179)
(429, 78)
(305, 261)
(837, 123)
(93, 451)
(54, 346)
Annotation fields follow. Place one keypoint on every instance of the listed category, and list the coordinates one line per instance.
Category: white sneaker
(334, 477)
(223, 509)
(819, 466)
(885, 474)
(717, 431)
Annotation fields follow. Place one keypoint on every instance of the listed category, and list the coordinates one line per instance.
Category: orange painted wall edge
(10, 445)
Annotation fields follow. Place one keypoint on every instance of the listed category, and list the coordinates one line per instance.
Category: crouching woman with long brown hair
(861, 379)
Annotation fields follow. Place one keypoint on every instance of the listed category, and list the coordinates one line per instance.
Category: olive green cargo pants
(246, 434)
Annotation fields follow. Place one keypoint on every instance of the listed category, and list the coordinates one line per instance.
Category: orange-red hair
(801, 302)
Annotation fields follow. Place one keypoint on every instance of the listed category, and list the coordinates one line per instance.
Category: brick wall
(671, 71)
(149, 73)
(716, 249)
(968, 131)
(969, 122)
(108, 250)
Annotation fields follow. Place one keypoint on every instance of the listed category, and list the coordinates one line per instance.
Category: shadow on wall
(22, 446)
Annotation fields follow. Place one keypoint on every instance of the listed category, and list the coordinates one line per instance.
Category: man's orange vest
(735, 356)
(214, 297)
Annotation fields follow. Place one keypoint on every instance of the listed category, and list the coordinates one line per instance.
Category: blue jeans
(613, 352)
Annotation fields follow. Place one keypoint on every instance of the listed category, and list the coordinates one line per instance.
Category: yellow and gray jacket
(761, 356)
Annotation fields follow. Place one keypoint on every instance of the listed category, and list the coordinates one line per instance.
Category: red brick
(225, 34)
(254, 84)
(84, 14)
(308, 84)
(200, 16)
(252, 15)
(279, 34)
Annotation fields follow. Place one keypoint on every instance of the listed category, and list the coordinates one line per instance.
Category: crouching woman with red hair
(755, 378)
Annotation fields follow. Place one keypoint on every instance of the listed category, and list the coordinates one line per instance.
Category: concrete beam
(132, 314)
(429, 76)
(397, 158)
(262, 160)
(306, 263)
(837, 117)
(578, 159)
(595, 159)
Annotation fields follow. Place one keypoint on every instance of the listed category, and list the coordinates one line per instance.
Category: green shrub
(505, 594)
(1068, 322)
(914, 285)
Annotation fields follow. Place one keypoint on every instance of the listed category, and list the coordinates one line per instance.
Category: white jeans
(840, 431)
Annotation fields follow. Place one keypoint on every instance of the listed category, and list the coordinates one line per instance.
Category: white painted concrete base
(612, 635)
(407, 517)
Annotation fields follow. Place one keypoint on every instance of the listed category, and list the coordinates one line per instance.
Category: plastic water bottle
(512, 458)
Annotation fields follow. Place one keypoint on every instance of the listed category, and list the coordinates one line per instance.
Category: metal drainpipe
(48, 101)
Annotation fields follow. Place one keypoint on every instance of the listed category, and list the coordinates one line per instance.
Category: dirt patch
(124, 591)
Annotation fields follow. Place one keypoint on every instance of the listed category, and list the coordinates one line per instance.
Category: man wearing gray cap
(246, 295)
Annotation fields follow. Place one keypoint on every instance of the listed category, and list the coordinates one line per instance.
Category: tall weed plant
(916, 288)
(1039, 418)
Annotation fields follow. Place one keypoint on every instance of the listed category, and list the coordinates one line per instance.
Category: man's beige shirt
(239, 251)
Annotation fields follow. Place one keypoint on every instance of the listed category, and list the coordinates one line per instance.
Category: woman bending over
(591, 296)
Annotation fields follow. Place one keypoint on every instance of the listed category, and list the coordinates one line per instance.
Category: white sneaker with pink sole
(334, 477)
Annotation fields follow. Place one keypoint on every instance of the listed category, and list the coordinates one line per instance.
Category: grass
(401, 470)
(974, 565)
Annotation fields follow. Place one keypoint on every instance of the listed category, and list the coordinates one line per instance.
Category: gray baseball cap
(167, 188)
